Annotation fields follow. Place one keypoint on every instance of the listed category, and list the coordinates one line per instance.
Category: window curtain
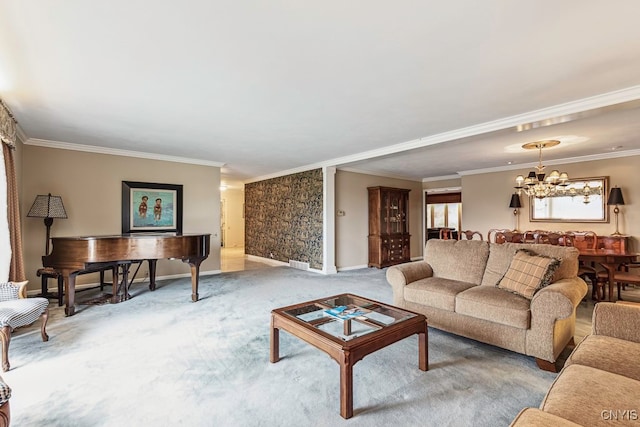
(11, 261)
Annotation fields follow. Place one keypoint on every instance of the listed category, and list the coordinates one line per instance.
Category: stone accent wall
(283, 217)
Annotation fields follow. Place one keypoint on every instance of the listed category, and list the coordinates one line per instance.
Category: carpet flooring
(161, 360)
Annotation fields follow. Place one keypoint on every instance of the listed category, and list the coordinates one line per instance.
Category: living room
(246, 128)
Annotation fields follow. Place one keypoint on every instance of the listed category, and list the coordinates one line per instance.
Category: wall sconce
(615, 198)
(47, 207)
(515, 204)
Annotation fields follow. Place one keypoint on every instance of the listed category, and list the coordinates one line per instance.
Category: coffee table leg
(346, 387)
(423, 350)
(274, 354)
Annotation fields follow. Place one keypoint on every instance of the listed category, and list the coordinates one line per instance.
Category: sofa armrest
(617, 320)
(553, 317)
(22, 293)
(403, 274)
(565, 292)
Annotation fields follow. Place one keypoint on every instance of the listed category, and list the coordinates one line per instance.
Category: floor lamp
(515, 205)
(47, 207)
(615, 198)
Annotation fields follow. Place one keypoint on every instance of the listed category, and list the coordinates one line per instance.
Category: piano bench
(49, 273)
(46, 274)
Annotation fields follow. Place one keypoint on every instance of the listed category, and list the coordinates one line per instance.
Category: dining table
(610, 259)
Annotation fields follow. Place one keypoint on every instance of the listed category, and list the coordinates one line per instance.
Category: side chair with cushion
(16, 310)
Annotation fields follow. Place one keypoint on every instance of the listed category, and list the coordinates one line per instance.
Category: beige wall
(485, 198)
(234, 227)
(90, 186)
(352, 229)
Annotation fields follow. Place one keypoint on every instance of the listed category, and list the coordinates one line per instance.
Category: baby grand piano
(74, 255)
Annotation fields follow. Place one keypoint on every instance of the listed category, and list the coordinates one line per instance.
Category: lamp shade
(47, 207)
(615, 197)
(515, 201)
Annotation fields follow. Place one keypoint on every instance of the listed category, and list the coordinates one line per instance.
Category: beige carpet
(161, 360)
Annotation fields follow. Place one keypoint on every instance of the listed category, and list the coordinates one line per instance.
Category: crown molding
(579, 106)
(385, 175)
(117, 152)
(582, 159)
(440, 178)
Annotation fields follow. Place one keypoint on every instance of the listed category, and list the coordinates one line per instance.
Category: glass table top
(348, 316)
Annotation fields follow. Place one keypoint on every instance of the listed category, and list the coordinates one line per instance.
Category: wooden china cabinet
(389, 239)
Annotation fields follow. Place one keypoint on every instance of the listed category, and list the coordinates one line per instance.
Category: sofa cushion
(462, 260)
(534, 417)
(591, 397)
(500, 256)
(528, 273)
(596, 351)
(435, 292)
(495, 305)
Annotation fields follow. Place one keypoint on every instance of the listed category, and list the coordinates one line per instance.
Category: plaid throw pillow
(8, 291)
(528, 272)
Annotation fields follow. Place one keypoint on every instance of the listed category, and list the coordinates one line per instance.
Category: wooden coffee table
(374, 325)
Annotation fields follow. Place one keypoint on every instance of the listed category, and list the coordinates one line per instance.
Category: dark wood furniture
(389, 238)
(610, 259)
(616, 243)
(435, 233)
(469, 235)
(72, 255)
(587, 271)
(347, 343)
(47, 273)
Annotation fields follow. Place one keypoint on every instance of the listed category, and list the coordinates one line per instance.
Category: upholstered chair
(16, 310)
(5, 408)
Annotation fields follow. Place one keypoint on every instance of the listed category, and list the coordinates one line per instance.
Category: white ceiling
(266, 87)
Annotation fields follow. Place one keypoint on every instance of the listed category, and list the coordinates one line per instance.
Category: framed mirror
(584, 200)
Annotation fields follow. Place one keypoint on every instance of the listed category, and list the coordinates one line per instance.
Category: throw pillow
(528, 272)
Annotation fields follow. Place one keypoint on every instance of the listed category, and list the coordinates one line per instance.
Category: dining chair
(622, 277)
(469, 234)
(446, 233)
(586, 240)
(509, 237)
(492, 232)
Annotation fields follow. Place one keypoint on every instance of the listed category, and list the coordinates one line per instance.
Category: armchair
(17, 310)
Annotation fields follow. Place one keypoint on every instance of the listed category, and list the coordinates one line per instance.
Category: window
(444, 210)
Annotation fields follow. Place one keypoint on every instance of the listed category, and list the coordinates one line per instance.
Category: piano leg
(152, 274)
(195, 276)
(69, 292)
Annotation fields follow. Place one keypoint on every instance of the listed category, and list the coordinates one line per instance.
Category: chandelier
(538, 184)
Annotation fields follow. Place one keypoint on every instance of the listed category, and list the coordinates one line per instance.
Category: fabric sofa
(455, 286)
(600, 382)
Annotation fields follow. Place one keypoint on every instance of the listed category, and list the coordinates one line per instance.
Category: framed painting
(151, 207)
